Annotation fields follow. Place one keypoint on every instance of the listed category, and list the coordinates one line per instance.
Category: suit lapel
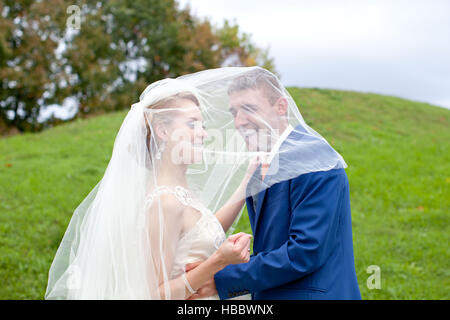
(261, 196)
(250, 211)
(255, 180)
(267, 181)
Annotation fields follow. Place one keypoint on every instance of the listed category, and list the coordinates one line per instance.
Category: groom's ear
(281, 106)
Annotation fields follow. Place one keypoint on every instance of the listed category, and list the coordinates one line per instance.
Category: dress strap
(179, 192)
(183, 195)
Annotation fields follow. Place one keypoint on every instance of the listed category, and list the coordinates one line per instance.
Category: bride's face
(186, 133)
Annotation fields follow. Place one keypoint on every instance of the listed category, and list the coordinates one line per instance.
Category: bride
(148, 217)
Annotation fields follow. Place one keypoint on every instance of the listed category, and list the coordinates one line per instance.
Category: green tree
(29, 66)
(118, 48)
(237, 49)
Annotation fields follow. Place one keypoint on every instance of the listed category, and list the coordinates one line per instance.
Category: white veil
(117, 245)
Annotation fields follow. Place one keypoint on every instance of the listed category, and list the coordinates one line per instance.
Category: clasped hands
(235, 249)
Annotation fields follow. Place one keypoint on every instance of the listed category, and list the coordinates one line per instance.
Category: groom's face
(254, 117)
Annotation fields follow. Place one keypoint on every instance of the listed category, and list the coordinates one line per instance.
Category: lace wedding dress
(201, 241)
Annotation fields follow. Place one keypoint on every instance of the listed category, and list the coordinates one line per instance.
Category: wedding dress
(198, 243)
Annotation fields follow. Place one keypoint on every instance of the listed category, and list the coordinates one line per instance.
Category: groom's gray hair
(258, 78)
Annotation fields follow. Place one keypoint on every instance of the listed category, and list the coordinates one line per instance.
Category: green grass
(399, 172)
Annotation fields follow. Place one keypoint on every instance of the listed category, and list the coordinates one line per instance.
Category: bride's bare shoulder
(167, 203)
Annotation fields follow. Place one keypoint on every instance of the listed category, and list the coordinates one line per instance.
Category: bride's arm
(196, 278)
(227, 214)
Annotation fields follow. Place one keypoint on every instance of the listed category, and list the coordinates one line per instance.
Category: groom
(303, 246)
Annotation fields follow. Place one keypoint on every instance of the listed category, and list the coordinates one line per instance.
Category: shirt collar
(280, 140)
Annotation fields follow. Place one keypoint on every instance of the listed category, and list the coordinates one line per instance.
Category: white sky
(396, 47)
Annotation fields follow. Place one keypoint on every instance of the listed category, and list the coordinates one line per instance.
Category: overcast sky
(396, 47)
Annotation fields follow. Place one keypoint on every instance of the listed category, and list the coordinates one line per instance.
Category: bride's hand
(235, 249)
(253, 164)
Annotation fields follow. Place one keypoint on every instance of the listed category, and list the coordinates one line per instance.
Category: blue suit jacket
(302, 246)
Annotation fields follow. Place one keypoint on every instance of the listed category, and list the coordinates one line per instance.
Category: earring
(160, 150)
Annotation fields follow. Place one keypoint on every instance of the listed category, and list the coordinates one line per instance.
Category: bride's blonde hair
(165, 117)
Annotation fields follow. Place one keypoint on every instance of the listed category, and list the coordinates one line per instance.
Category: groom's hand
(208, 289)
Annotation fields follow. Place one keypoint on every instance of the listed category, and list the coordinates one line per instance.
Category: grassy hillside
(399, 171)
